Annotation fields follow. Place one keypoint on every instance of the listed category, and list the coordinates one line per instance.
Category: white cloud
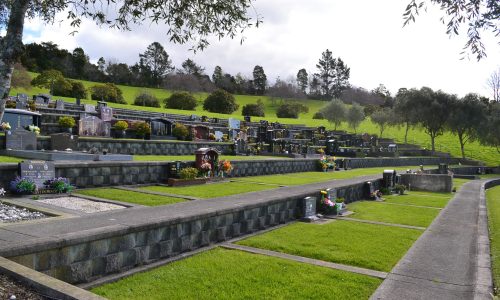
(367, 35)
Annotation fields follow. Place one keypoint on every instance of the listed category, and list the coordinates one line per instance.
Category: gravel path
(9, 213)
(80, 204)
(10, 289)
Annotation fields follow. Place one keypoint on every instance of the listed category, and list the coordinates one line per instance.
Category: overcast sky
(368, 35)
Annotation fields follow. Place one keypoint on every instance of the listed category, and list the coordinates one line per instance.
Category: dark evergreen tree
(259, 80)
(191, 68)
(333, 75)
(218, 77)
(302, 80)
(155, 64)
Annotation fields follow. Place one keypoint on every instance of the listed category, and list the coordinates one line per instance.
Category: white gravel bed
(9, 213)
(80, 204)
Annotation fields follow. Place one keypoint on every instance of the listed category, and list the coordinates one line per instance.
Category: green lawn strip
(231, 274)
(9, 159)
(211, 190)
(420, 198)
(192, 157)
(130, 196)
(488, 176)
(312, 177)
(458, 182)
(493, 204)
(370, 246)
(395, 214)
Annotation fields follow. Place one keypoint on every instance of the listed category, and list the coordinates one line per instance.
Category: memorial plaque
(104, 129)
(218, 135)
(234, 123)
(63, 141)
(106, 113)
(89, 108)
(20, 139)
(42, 101)
(21, 104)
(309, 209)
(60, 104)
(37, 170)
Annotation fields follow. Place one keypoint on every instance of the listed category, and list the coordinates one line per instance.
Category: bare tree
(493, 83)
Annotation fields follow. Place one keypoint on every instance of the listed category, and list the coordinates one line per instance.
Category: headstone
(443, 168)
(204, 118)
(218, 135)
(20, 139)
(389, 178)
(248, 118)
(104, 129)
(194, 118)
(38, 171)
(41, 102)
(89, 108)
(234, 123)
(78, 101)
(90, 126)
(309, 209)
(63, 141)
(106, 113)
(21, 102)
(60, 104)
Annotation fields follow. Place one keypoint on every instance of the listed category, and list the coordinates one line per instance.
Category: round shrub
(220, 101)
(256, 110)
(181, 100)
(107, 92)
(142, 129)
(188, 173)
(318, 116)
(180, 131)
(120, 125)
(146, 99)
(62, 87)
(66, 122)
(78, 90)
(291, 110)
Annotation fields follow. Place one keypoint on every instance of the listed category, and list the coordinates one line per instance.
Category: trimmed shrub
(188, 173)
(220, 101)
(120, 125)
(318, 116)
(181, 100)
(146, 99)
(78, 90)
(142, 129)
(62, 87)
(256, 110)
(66, 122)
(291, 110)
(107, 92)
(180, 131)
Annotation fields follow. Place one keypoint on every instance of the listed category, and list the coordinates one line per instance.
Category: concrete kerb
(44, 284)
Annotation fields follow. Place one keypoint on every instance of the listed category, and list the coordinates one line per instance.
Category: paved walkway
(447, 261)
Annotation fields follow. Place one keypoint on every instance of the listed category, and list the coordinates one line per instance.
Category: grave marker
(60, 104)
(309, 209)
(63, 141)
(89, 108)
(20, 139)
(106, 113)
(38, 171)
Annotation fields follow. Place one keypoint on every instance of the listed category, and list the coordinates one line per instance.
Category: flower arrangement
(22, 185)
(206, 167)
(226, 166)
(59, 185)
(211, 137)
(34, 129)
(376, 195)
(5, 126)
(120, 125)
(327, 206)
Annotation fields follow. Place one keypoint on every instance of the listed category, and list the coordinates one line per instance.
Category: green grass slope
(446, 143)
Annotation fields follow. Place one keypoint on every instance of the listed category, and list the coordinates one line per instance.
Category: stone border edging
(45, 285)
(483, 285)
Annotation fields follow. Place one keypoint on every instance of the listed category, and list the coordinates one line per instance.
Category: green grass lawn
(458, 182)
(420, 198)
(493, 204)
(488, 176)
(192, 157)
(9, 159)
(369, 246)
(130, 196)
(447, 142)
(210, 190)
(396, 214)
(230, 274)
(312, 177)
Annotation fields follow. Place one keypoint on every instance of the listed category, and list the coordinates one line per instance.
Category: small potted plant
(5, 126)
(67, 123)
(142, 129)
(34, 129)
(188, 176)
(59, 185)
(120, 127)
(400, 189)
(22, 186)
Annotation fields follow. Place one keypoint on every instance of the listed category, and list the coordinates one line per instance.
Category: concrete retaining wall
(90, 254)
(428, 182)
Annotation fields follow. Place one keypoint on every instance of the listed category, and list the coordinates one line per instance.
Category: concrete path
(446, 262)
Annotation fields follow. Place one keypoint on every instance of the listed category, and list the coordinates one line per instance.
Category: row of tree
(470, 118)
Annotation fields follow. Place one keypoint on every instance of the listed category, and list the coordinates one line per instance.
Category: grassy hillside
(447, 143)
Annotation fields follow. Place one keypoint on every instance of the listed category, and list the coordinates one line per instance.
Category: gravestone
(106, 113)
(21, 103)
(247, 118)
(20, 139)
(42, 100)
(389, 178)
(63, 141)
(443, 168)
(89, 108)
(194, 118)
(90, 126)
(309, 209)
(60, 104)
(234, 123)
(37, 170)
(218, 135)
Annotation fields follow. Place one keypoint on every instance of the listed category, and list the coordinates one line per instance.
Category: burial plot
(309, 209)
(60, 104)
(106, 113)
(42, 100)
(90, 126)
(20, 118)
(63, 141)
(20, 139)
(38, 171)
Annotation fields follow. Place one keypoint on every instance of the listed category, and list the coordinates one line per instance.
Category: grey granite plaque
(63, 141)
(106, 113)
(60, 104)
(89, 108)
(37, 170)
(309, 209)
(20, 139)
